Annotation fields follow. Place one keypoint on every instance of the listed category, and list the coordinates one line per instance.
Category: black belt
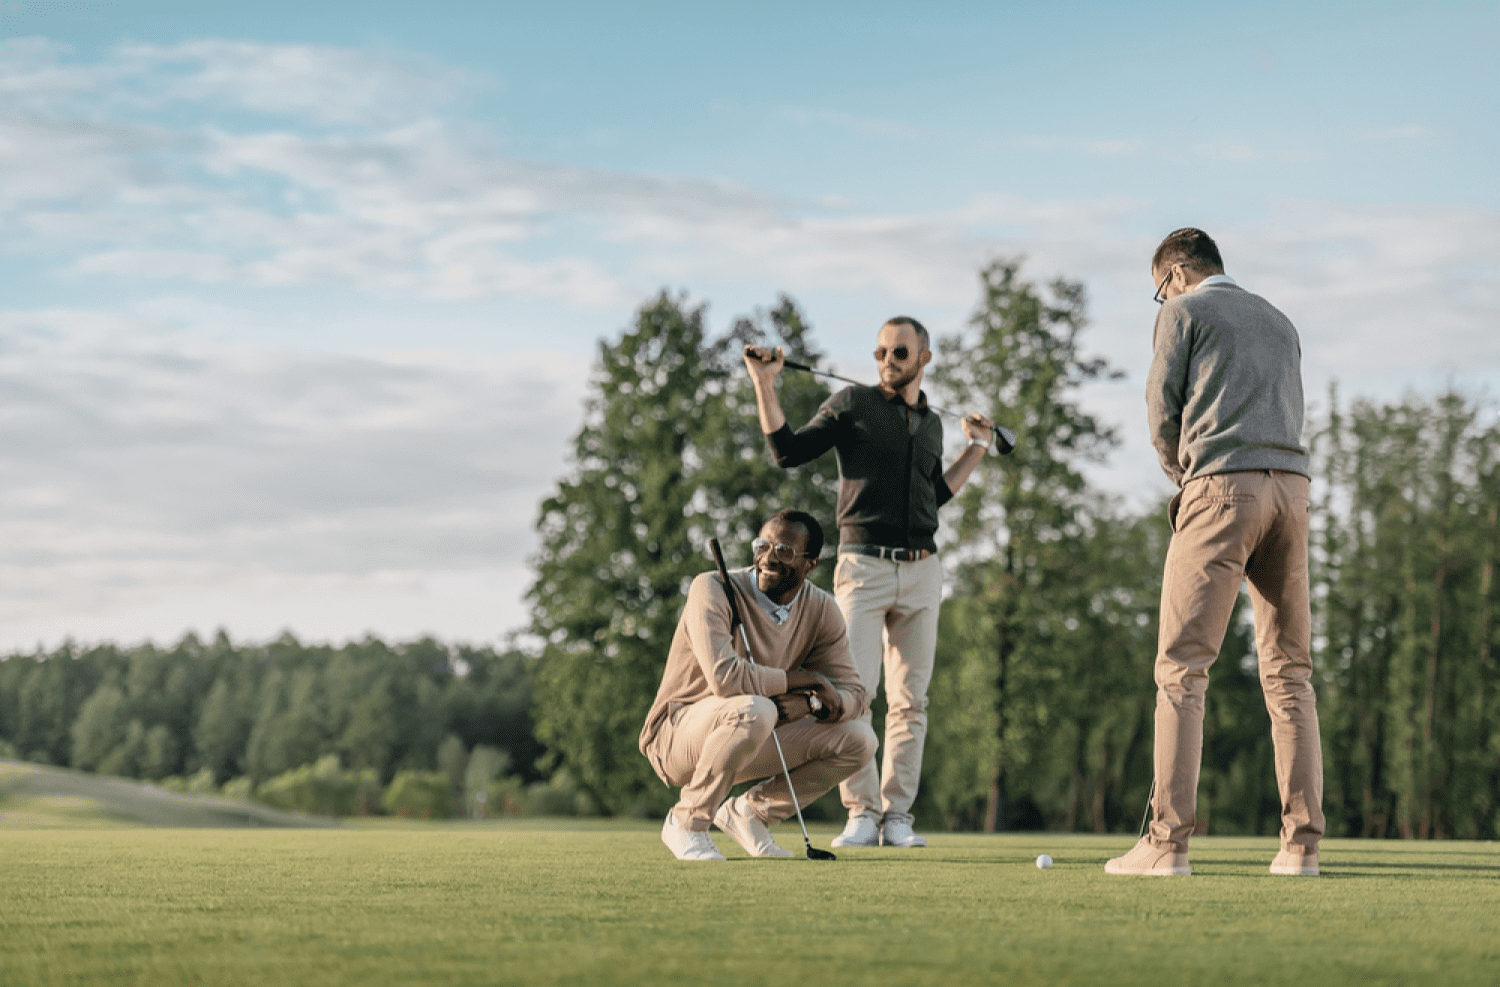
(884, 552)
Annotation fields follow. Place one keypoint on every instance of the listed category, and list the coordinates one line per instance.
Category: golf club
(1005, 439)
(813, 853)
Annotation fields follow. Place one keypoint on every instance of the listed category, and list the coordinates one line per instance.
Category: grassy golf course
(103, 900)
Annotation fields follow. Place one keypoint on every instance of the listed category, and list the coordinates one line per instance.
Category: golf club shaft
(796, 802)
(734, 619)
(1005, 439)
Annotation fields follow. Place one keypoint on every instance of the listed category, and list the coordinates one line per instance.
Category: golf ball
(1043, 861)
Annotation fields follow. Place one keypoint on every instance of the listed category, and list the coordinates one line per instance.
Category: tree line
(1041, 704)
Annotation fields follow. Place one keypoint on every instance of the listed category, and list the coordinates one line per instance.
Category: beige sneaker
(1147, 859)
(736, 818)
(1303, 864)
(688, 844)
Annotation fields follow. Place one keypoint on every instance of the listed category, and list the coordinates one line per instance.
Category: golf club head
(813, 853)
(1005, 439)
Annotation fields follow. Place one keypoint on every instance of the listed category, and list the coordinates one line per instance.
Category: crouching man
(711, 724)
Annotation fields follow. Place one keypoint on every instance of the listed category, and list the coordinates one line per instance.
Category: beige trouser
(709, 746)
(1231, 526)
(891, 609)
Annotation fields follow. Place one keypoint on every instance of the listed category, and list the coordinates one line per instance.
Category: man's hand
(764, 363)
(976, 426)
(802, 680)
(791, 707)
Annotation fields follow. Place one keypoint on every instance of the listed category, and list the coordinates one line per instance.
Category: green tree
(101, 727)
(223, 729)
(1026, 529)
(621, 539)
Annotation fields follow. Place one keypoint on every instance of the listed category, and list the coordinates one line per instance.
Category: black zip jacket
(890, 465)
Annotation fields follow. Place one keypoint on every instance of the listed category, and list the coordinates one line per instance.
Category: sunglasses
(1157, 298)
(781, 551)
(898, 353)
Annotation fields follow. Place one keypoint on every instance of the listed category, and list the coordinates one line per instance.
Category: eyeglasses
(783, 552)
(1157, 298)
(898, 353)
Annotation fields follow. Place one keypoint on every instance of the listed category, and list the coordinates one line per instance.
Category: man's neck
(910, 393)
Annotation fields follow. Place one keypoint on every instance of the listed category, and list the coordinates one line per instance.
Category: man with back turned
(1224, 405)
(889, 580)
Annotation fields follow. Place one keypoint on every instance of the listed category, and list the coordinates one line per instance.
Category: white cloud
(139, 470)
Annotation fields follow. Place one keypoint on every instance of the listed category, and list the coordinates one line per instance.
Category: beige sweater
(704, 661)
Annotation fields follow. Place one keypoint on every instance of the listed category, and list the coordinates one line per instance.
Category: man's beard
(784, 581)
(901, 379)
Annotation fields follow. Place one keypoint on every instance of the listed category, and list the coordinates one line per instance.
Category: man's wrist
(981, 443)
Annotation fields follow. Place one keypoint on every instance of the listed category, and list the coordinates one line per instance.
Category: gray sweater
(1224, 393)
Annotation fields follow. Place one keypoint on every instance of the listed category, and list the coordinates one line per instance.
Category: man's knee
(906, 707)
(757, 714)
(1282, 676)
(852, 741)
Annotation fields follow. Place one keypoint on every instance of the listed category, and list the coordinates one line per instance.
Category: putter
(1005, 439)
(813, 853)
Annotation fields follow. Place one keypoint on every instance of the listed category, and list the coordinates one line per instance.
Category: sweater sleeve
(706, 617)
(1166, 387)
(809, 442)
(829, 657)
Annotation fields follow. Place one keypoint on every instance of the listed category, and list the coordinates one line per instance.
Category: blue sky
(299, 299)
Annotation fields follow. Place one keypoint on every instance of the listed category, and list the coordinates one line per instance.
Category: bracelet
(982, 443)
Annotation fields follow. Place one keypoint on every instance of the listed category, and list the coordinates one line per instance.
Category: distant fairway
(539, 902)
(33, 796)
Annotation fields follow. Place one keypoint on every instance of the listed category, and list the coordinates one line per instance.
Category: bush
(419, 795)
(558, 796)
(323, 789)
(501, 797)
(239, 788)
(201, 783)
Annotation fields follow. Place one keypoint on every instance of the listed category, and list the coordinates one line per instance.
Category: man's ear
(926, 356)
(813, 566)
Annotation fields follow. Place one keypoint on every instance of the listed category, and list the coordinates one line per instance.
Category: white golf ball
(1043, 861)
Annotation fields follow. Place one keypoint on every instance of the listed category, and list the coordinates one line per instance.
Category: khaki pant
(891, 609)
(1228, 527)
(709, 746)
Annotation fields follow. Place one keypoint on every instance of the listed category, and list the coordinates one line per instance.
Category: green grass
(554, 902)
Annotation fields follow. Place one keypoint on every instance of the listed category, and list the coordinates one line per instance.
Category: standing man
(1224, 404)
(711, 723)
(889, 580)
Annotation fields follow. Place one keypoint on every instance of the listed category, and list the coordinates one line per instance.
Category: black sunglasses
(899, 353)
(1157, 298)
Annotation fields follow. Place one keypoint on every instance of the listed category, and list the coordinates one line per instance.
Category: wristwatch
(814, 704)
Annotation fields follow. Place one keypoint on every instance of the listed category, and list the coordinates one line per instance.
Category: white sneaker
(688, 844)
(898, 832)
(737, 819)
(859, 831)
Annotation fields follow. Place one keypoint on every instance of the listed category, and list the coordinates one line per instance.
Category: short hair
(1191, 247)
(809, 524)
(921, 330)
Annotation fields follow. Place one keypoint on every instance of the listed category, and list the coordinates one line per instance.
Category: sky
(298, 302)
